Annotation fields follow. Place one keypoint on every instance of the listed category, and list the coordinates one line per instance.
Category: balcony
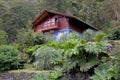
(50, 26)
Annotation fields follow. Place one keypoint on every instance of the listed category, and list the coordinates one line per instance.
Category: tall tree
(15, 15)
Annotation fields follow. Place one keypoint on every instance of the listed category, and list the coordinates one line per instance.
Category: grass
(28, 68)
(27, 71)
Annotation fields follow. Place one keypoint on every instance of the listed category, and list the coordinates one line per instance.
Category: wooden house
(57, 24)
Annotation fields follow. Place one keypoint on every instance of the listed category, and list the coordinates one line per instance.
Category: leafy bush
(41, 76)
(115, 55)
(54, 75)
(84, 56)
(106, 71)
(39, 38)
(30, 50)
(109, 70)
(44, 56)
(115, 35)
(27, 37)
(75, 55)
(80, 54)
(9, 57)
(89, 34)
(114, 30)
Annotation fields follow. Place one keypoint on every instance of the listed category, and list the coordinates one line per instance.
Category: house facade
(57, 24)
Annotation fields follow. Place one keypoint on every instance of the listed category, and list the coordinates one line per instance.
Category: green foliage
(25, 37)
(54, 75)
(3, 37)
(15, 14)
(73, 54)
(114, 30)
(106, 71)
(39, 38)
(30, 50)
(80, 54)
(115, 55)
(9, 57)
(84, 55)
(115, 35)
(97, 48)
(89, 34)
(44, 56)
(41, 76)
(67, 43)
(99, 36)
(48, 37)
(109, 70)
(74, 35)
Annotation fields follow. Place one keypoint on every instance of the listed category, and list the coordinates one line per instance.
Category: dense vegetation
(9, 58)
(95, 56)
(75, 57)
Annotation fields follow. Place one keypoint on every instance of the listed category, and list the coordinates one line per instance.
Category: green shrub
(89, 34)
(106, 71)
(109, 70)
(54, 75)
(44, 56)
(9, 57)
(29, 51)
(39, 38)
(114, 30)
(27, 37)
(84, 56)
(115, 55)
(79, 54)
(41, 76)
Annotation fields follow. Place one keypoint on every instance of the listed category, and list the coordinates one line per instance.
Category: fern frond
(69, 64)
(92, 61)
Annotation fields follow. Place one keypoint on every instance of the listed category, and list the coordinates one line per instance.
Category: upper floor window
(50, 22)
(53, 21)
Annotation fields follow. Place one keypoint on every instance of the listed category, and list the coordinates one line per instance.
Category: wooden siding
(63, 22)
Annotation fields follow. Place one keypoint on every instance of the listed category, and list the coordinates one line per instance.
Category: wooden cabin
(58, 24)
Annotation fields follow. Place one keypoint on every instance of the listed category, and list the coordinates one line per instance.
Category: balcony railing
(50, 26)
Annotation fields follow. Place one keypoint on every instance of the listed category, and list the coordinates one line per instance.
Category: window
(49, 23)
(53, 21)
(44, 24)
